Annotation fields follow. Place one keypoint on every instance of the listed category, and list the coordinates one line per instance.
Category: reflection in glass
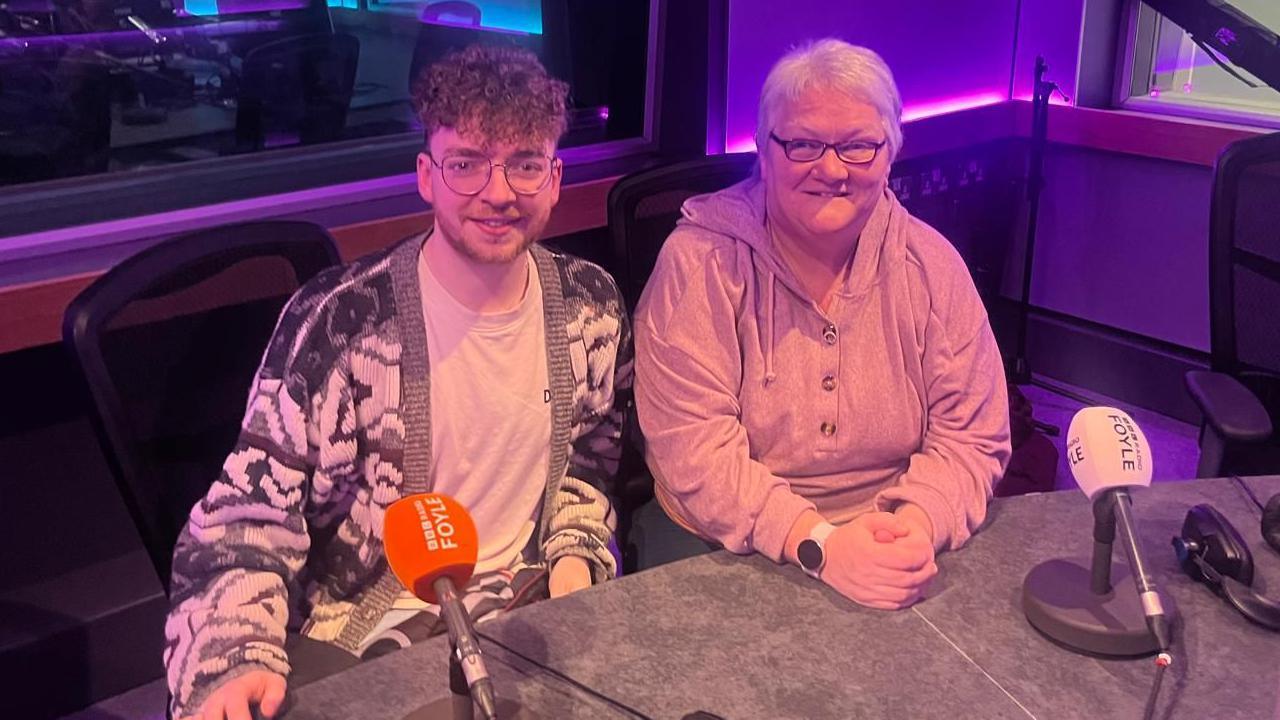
(93, 86)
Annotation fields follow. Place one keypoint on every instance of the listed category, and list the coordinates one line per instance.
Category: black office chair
(643, 209)
(296, 90)
(168, 342)
(1240, 396)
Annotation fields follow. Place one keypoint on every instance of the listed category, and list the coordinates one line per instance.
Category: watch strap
(818, 535)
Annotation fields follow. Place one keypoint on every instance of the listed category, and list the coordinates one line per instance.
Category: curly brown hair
(500, 94)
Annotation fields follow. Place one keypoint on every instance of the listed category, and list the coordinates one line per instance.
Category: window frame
(1140, 29)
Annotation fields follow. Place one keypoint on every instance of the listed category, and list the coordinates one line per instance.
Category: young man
(467, 361)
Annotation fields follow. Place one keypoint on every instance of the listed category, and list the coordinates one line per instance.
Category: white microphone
(1108, 455)
(1107, 450)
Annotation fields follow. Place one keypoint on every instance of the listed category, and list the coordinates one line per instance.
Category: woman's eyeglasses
(854, 152)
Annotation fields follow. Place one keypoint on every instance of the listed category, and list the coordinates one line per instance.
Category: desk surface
(413, 683)
(745, 638)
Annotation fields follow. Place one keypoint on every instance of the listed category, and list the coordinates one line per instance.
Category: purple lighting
(916, 111)
(950, 105)
(956, 55)
(1054, 99)
(128, 229)
(120, 40)
(1165, 66)
(452, 23)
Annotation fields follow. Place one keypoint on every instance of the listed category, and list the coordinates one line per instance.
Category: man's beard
(497, 255)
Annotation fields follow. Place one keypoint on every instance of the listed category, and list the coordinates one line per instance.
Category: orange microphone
(431, 545)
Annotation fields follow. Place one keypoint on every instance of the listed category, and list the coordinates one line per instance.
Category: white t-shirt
(490, 423)
(490, 413)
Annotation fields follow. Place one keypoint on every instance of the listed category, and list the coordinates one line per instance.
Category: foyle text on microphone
(1130, 456)
(436, 528)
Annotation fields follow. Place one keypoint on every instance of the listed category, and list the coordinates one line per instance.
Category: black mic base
(460, 707)
(1058, 601)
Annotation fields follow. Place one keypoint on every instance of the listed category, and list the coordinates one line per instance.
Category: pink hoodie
(756, 405)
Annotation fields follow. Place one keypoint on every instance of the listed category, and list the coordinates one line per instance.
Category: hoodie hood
(740, 213)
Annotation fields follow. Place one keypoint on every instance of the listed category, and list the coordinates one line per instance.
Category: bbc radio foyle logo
(1131, 458)
(1130, 449)
(437, 530)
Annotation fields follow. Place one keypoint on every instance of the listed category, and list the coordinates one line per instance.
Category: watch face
(809, 553)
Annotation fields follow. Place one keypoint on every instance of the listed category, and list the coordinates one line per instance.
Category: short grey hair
(835, 65)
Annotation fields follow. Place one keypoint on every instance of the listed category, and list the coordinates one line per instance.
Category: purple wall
(1050, 28)
(1123, 241)
(945, 54)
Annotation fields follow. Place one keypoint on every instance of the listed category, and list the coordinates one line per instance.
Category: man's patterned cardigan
(337, 428)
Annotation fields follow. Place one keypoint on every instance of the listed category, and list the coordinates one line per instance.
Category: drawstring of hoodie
(766, 343)
(770, 300)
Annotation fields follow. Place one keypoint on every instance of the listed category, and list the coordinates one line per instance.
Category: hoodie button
(829, 334)
(829, 383)
(828, 429)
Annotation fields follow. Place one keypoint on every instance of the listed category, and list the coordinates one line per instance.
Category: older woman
(816, 377)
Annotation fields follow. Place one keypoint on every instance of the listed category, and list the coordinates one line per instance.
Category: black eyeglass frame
(488, 178)
(786, 149)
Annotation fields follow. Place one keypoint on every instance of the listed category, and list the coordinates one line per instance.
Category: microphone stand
(463, 648)
(459, 694)
(1104, 538)
(1080, 608)
(1021, 372)
(1035, 184)
(459, 705)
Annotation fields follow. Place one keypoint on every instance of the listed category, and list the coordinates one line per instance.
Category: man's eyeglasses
(856, 152)
(469, 175)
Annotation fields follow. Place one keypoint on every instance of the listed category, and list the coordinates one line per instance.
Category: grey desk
(745, 638)
(413, 683)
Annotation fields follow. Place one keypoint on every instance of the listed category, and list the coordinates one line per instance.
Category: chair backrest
(297, 88)
(644, 207)
(1244, 268)
(168, 342)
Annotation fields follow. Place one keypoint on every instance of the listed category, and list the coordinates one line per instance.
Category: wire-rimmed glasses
(470, 174)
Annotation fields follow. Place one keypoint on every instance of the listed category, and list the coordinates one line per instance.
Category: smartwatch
(812, 552)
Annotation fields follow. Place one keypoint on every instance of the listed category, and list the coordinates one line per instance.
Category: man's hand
(880, 560)
(232, 699)
(569, 574)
